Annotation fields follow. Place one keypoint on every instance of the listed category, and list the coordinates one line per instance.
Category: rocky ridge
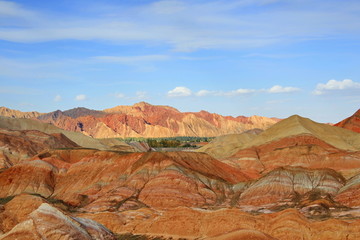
(150, 121)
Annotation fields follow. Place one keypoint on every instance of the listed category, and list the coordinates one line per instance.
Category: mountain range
(144, 120)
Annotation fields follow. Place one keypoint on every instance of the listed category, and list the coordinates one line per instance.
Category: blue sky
(271, 58)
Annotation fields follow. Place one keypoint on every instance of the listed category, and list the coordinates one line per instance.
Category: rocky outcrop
(286, 186)
(19, 145)
(352, 123)
(76, 137)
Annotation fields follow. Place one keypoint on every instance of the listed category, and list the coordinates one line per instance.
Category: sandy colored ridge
(340, 138)
(297, 125)
(7, 112)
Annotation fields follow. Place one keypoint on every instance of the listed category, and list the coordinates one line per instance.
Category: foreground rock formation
(37, 219)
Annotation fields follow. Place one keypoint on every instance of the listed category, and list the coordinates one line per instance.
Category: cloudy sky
(271, 58)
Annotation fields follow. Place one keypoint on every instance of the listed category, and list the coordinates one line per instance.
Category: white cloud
(179, 92)
(183, 91)
(80, 97)
(333, 85)
(57, 98)
(280, 89)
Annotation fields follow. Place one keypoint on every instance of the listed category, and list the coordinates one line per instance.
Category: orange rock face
(146, 120)
(30, 177)
(186, 179)
(352, 123)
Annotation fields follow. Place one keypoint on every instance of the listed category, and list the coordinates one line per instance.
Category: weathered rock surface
(30, 177)
(285, 186)
(349, 194)
(352, 123)
(19, 145)
(196, 223)
(114, 181)
(36, 219)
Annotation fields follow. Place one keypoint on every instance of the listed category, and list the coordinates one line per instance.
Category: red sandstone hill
(352, 123)
(146, 120)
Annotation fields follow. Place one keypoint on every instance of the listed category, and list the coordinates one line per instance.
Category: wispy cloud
(185, 92)
(334, 85)
(12, 9)
(188, 26)
(80, 97)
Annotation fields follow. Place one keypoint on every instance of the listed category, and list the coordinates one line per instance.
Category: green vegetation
(6, 199)
(169, 142)
(180, 139)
